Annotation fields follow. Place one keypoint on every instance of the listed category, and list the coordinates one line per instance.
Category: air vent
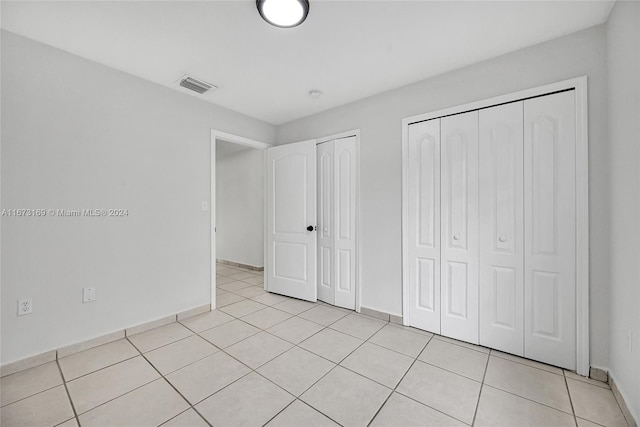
(196, 85)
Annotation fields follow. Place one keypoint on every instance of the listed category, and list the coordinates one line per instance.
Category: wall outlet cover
(88, 294)
(25, 306)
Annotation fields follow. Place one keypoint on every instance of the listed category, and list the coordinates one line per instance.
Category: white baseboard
(51, 355)
(621, 401)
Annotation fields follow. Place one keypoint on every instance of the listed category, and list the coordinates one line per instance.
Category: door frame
(578, 84)
(217, 135)
(346, 134)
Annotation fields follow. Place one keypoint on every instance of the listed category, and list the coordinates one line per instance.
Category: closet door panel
(549, 182)
(424, 225)
(501, 256)
(345, 221)
(326, 248)
(459, 229)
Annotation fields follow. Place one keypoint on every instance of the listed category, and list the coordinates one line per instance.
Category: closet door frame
(356, 134)
(579, 85)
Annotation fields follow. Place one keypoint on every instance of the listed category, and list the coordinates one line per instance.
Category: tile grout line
(484, 375)
(527, 398)
(64, 382)
(566, 384)
(252, 370)
(31, 395)
(297, 399)
(415, 359)
(327, 373)
(417, 401)
(527, 365)
(102, 368)
(176, 416)
(168, 382)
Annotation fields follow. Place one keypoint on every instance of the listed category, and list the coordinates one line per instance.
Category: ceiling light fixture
(283, 13)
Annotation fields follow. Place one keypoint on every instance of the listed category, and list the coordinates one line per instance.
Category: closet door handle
(310, 228)
(502, 239)
(457, 236)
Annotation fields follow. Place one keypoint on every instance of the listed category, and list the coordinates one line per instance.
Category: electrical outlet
(88, 294)
(204, 206)
(629, 341)
(25, 306)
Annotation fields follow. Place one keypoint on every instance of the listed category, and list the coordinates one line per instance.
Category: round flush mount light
(283, 13)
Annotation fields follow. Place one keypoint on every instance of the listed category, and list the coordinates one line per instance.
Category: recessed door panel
(343, 277)
(290, 261)
(550, 221)
(426, 285)
(501, 268)
(326, 235)
(459, 228)
(423, 189)
(503, 312)
(290, 215)
(545, 305)
(344, 184)
(291, 208)
(457, 287)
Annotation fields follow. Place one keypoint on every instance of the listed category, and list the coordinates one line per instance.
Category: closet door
(326, 250)
(549, 211)
(459, 230)
(501, 241)
(344, 161)
(423, 246)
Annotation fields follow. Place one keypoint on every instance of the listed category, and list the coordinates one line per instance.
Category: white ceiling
(347, 49)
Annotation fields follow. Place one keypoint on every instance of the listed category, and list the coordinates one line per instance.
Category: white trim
(582, 227)
(582, 199)
(405, 222)
(346, 134)
(355, 132)
(239, 139)
(236, 139)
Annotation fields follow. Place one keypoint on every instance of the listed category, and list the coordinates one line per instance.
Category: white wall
(623, 73)
(76, 134)
(379, 119)
(240, 204)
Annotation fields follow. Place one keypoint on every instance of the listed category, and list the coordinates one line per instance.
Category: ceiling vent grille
(196, 85)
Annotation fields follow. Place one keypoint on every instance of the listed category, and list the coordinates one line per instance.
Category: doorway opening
(237, 201)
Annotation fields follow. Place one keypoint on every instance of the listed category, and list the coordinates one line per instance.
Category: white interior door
(459, 226)
(345, 221)
(550, 224)
(423, 245)
(326, 237)
(501, 241)
(291, 220)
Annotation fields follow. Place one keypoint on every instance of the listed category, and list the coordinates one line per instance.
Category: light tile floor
(264, 359)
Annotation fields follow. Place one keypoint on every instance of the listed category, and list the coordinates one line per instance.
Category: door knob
(502, 239)
(310, 228)
(456, 236)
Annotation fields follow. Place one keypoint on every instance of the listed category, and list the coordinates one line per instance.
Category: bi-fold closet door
(337, 222)
(443, 225)
(491, 227)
